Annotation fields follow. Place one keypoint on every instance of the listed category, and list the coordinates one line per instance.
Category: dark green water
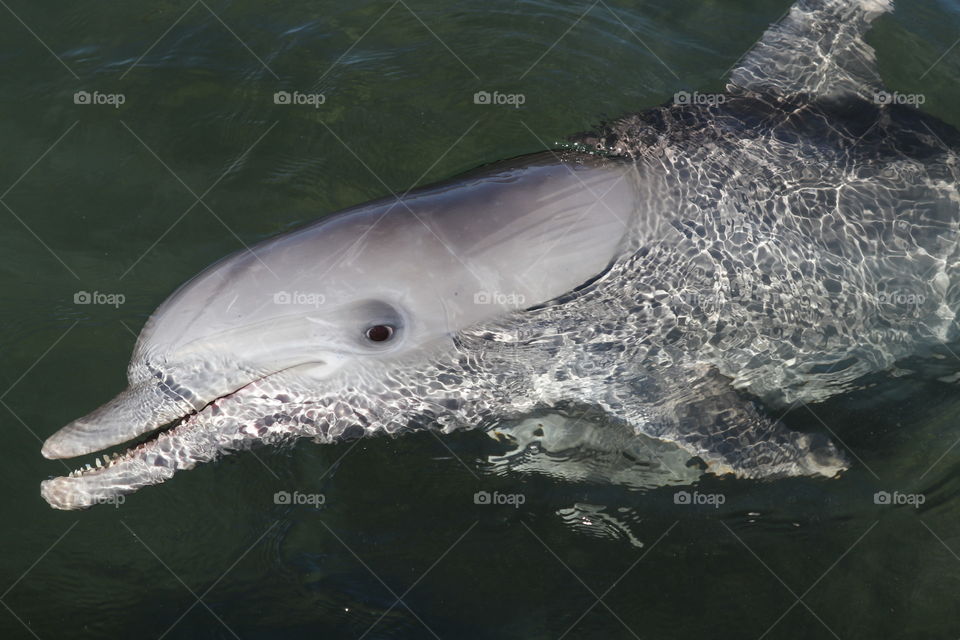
(105, 199)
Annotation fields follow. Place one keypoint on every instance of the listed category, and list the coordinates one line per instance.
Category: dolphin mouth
(196, 436)
(164, 451)
(176, 432)
(117, 474)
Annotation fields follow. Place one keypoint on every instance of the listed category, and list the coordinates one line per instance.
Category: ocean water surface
(142, 141)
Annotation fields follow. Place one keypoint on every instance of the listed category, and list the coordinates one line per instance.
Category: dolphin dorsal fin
(817, 50)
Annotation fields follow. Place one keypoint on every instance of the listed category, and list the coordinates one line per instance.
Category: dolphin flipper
(732, 436)
(816, 50)
(580, 447)
(699, 411)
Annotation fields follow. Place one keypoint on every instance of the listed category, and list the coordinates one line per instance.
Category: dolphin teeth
(99, 464)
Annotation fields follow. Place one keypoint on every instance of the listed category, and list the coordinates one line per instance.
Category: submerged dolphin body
(783, 242)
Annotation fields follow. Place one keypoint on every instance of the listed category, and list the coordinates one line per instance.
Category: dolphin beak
(140, 408)
(200, 434)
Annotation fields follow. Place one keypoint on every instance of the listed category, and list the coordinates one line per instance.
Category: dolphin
(690, 271)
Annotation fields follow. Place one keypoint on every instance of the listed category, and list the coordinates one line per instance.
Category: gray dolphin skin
(691, 271)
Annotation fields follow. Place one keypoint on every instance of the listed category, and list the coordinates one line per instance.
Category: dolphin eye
(379, 332)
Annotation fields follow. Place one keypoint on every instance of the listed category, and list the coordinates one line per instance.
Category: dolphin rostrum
(780, 240)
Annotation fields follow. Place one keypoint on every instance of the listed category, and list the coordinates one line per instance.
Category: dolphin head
(349, 322)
